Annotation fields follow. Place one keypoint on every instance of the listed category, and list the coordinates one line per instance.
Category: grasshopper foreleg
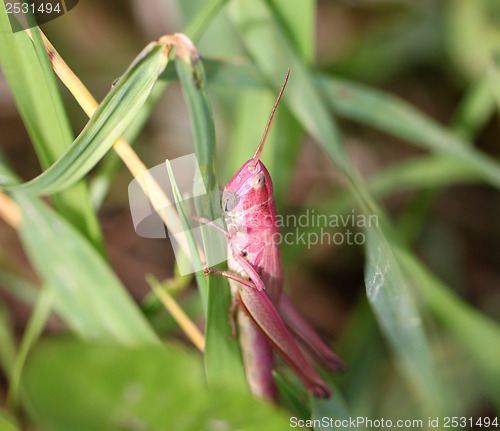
(256, 282)
(229, 275)
(210, 223)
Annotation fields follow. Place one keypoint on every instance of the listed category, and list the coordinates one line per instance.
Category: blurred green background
(404, 93)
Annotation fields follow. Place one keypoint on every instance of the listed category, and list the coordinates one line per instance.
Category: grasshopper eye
(229, 201)
(259, 181)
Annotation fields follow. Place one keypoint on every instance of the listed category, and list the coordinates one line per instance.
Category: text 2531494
(48, 8)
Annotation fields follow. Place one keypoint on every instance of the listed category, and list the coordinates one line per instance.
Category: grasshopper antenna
(256, 156)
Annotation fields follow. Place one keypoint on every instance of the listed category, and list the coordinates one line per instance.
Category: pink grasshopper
(266, 317)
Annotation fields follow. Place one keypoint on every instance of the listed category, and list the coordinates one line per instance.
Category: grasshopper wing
(262, 311)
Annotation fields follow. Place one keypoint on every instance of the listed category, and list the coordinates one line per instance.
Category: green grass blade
(473, 36)
(223, 363)
(194, 257)
(494, 80)
(422, 173)
(18, 287)
(391, 298)
(334, 408)
(8, 350)
(8, 423)
(299, 21)
(40, 108)
(477, 334)
(112, 117)
(204, 16)
(396, 117)
(290, 397)
(225, 73)
(363, 348)
(222, 358)
(32, 82)
(87, 295)
(193, 81)
(475, 109)
(34, 329)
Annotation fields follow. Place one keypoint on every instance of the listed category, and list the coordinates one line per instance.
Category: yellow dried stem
(10, 211)
(68, 78)
(186, 324)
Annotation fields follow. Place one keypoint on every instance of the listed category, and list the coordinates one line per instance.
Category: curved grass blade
(476, 334)
(86, 293)
(111, 163)
(34, 329)
(31, 80)
(112, 117)
(102, 179)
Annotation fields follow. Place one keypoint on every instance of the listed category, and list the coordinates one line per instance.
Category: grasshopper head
(251, 186)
